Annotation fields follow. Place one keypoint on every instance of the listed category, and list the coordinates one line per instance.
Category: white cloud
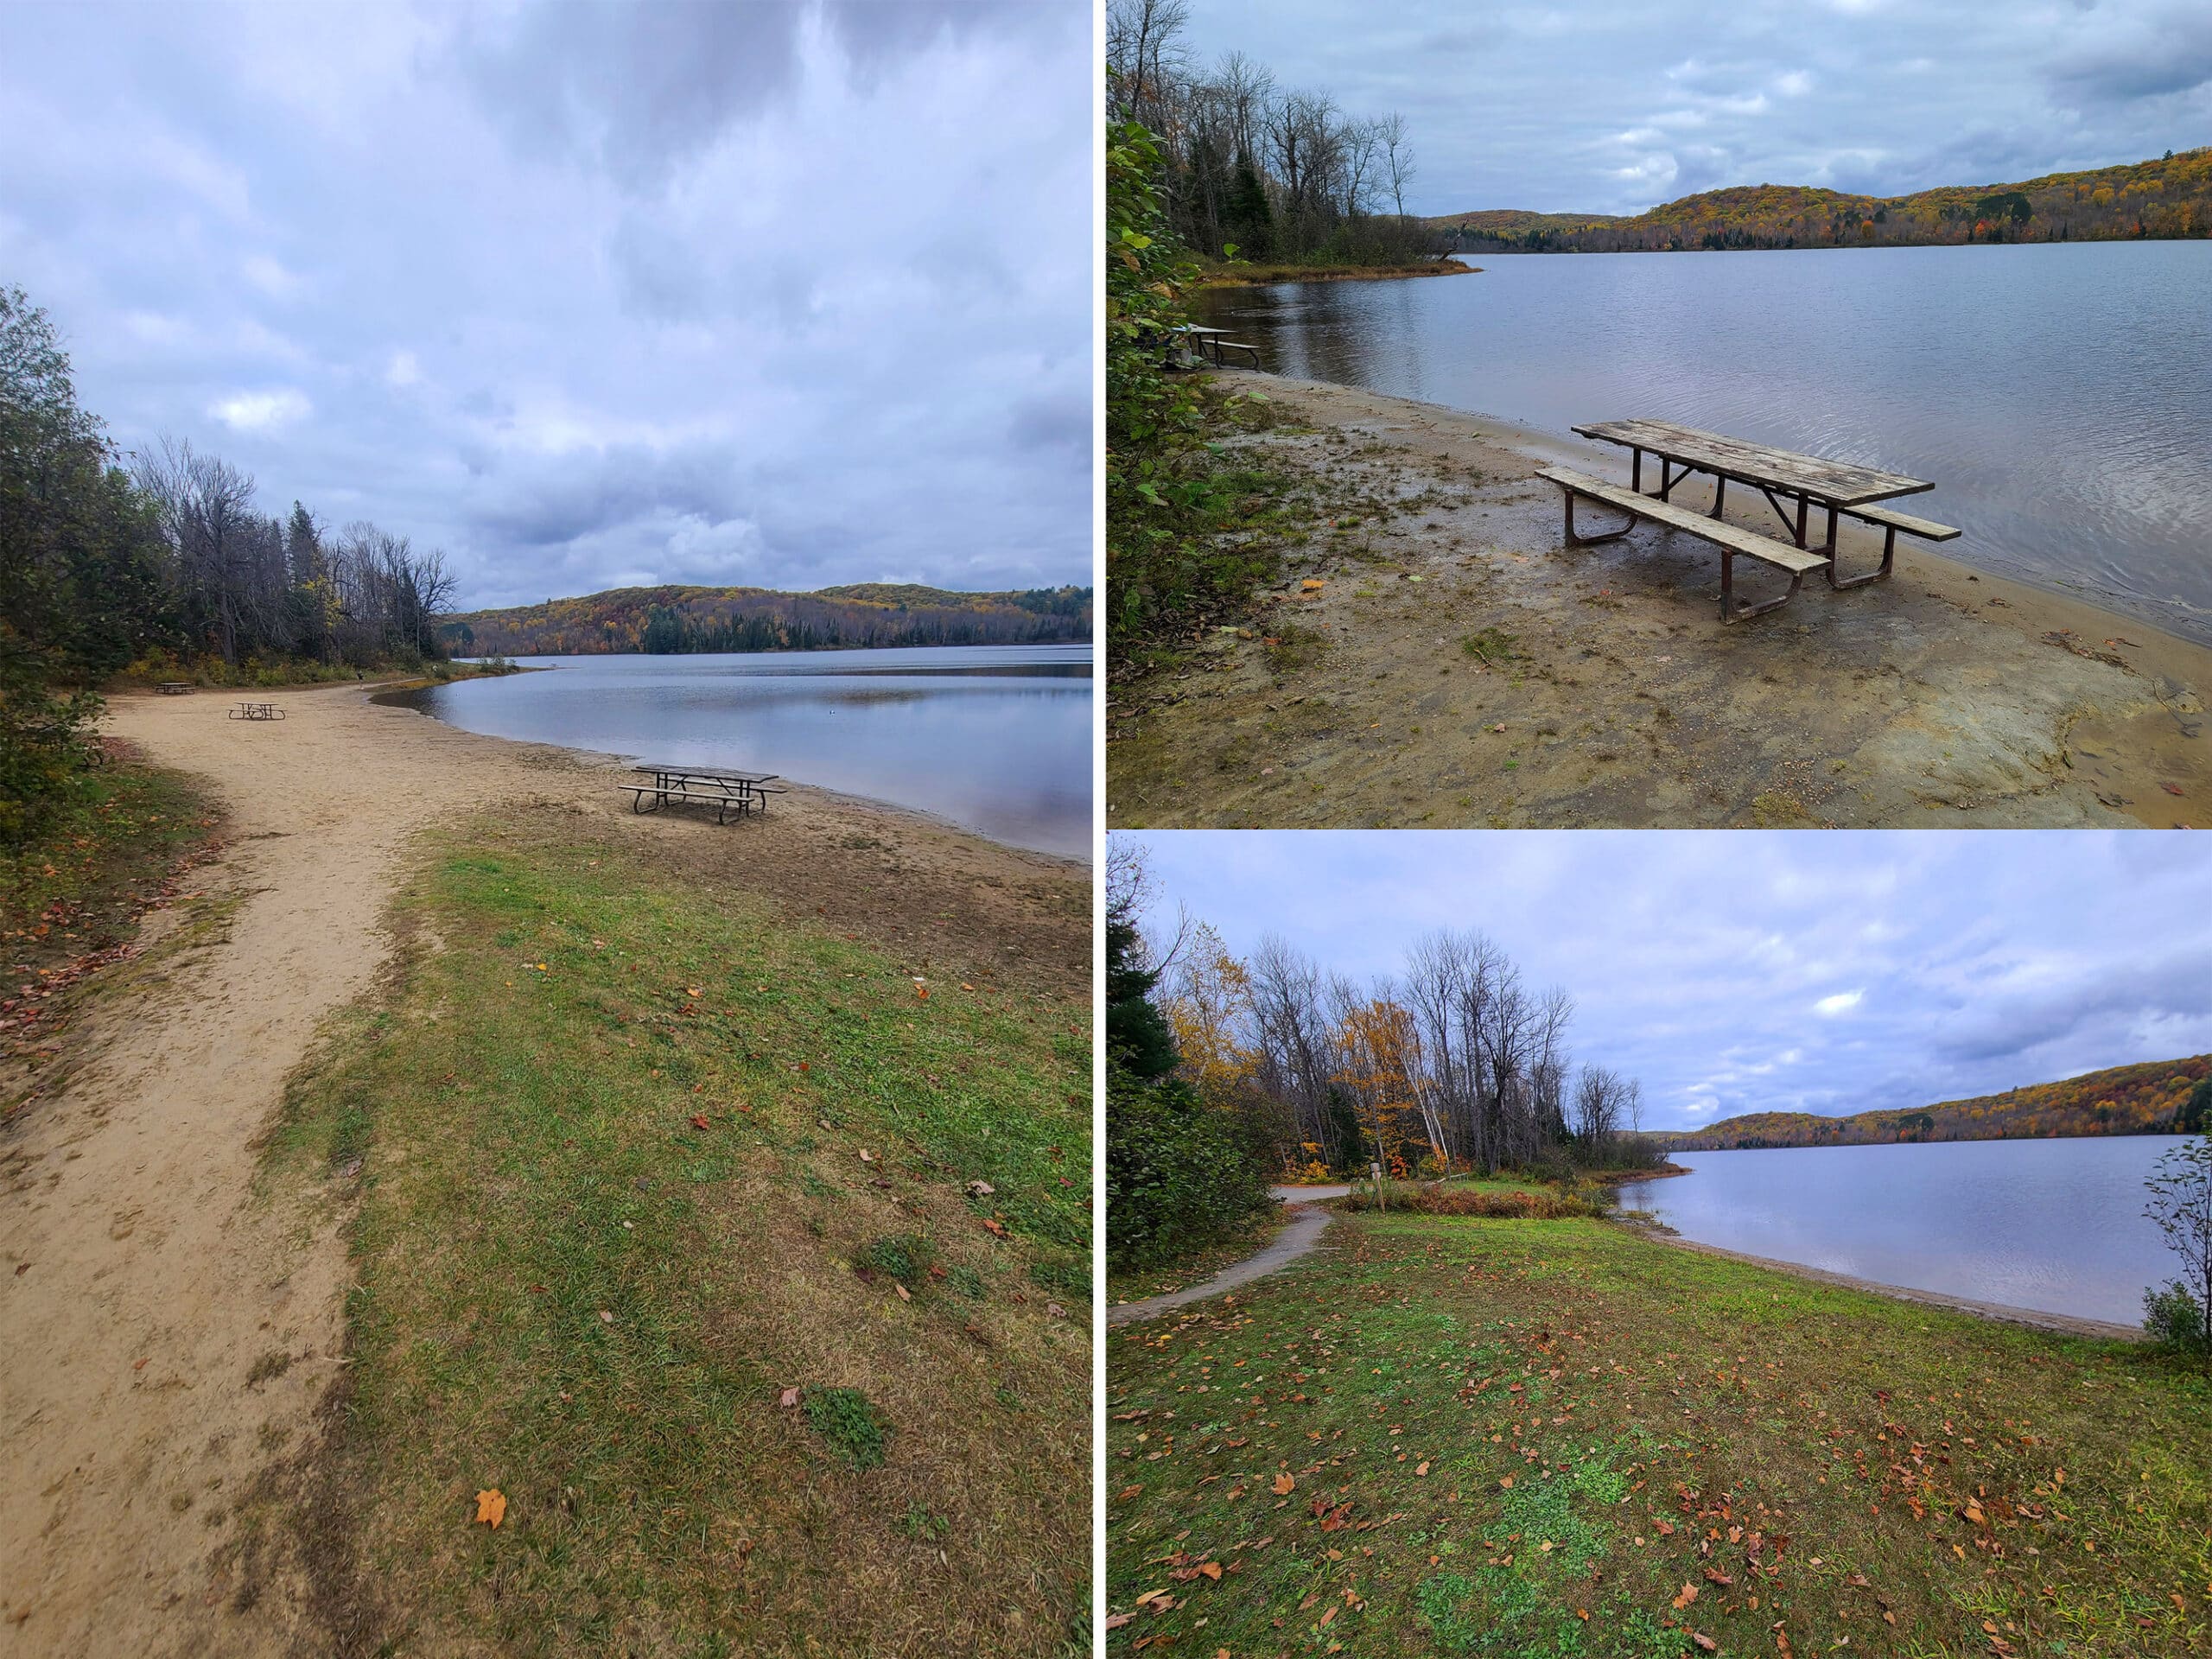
(1841, 1002)
(261, 412)
(403, 370)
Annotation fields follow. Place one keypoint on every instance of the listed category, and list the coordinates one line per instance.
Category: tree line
(1225, 1072)
(158, 560)
(2167, 199)
(683, 621)
(1269, 171)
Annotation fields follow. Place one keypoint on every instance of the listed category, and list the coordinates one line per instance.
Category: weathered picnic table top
(1838, 482)
(706, 774)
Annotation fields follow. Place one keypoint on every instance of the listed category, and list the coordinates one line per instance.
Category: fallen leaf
(1688, 1595)
(1506, 1481)
(1422, 1468)
(1213, 1570)
(904, 1296)
(698, 1119)
(2170, 789)
(491, 1507)
(1285, 1483)
(1704, 1642)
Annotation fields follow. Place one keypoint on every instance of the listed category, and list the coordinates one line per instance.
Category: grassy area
(755, 1280)
(1559, 1438)
(69, 898)
(263, 672)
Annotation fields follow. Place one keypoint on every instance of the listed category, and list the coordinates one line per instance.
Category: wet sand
(1459, 667)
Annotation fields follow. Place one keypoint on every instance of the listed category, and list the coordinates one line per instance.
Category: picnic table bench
(1786, 479)
(1202, 340)
(728, 792)
(257, 711)
(172, 688)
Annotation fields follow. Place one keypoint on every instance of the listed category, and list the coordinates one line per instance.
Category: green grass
(1530, 1437)
(570, 1290)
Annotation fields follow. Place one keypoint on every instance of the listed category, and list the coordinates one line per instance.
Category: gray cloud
(786, 294)
(1832, 972)
(1605, 106)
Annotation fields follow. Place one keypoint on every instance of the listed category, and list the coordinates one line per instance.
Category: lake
(994, 738)
(2055, 1225)
(2060, 394)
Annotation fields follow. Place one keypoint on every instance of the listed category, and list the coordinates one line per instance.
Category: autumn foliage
(2167, 199)
(2151, 1098)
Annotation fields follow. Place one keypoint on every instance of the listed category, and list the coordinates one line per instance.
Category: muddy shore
(1456, 666)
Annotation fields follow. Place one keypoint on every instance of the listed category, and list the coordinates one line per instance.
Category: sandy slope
(165, 1334)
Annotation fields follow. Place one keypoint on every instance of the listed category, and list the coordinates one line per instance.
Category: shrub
(1544, 1204)
(2172, 1317)
(1179, 1174)
(850, 1422)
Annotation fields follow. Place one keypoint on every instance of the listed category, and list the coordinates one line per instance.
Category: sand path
(167, 1332)
(1300, 1234)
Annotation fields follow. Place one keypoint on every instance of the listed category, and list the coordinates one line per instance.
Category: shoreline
(401, 694)
(1275, 276)
(1529, 685)
(2002, 1313)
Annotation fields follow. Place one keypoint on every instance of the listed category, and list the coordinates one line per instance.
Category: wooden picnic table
(172, 688)
(725, 791)
(1785, 478)
(257, 711)
(1201, 340)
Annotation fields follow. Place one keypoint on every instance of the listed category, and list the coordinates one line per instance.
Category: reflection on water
(2055, 1225)
(997, 738)
(2060, 395)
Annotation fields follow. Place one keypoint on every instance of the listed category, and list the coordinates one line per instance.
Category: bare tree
(1397, 157)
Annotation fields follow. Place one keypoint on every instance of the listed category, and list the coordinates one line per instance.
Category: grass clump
(852, 1425)
(904, 1256)
(1524, 1203)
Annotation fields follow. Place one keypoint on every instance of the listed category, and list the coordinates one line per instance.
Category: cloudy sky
(1830, 971)
(589, 295)
(1614, 105)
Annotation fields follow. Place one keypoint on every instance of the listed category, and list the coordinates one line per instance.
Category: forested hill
(2153, 1098)
(677, 619)
(2164, 199)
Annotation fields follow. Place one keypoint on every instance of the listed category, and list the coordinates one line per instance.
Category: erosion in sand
(1456, 666)
(171, 1330)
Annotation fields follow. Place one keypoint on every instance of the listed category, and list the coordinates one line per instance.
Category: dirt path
(1452, 665)
(169, 1333)
(1299, 1235)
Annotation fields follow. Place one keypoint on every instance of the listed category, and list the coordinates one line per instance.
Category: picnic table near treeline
(1794, 485)
(249, 710)
(728, 792)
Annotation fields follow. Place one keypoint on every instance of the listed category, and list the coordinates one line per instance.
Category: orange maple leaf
(491, 1507)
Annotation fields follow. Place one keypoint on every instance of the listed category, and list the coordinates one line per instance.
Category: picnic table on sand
(1795, 486)
(257, 711)
(728, 792)
(172, 688)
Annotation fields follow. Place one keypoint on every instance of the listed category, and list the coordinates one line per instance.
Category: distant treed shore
(2165, 199)
(676, 620)
(2154, 1098)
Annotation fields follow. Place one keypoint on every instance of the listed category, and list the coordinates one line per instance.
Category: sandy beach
(142, 1267)
(1458, 667)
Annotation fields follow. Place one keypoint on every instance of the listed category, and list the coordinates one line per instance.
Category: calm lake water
(995, 738)
(2056, 1225)
(2059, 394)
